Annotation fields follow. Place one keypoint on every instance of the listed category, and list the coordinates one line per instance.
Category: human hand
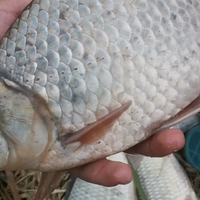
(9, 11)
(110, 173)
(102, 172)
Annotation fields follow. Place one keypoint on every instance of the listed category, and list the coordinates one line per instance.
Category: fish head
(25, 132)
(30, 138)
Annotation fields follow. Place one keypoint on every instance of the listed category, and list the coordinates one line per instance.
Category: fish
(81, 80)
(161, 178)
(154, 178)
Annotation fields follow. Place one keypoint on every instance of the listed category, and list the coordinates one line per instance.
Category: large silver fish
(155, 179)
(83, 79)
(164, 178)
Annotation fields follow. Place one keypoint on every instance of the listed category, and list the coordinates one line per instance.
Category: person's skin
(104, 172)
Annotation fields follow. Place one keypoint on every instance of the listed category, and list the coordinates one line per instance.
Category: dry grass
(25, 183)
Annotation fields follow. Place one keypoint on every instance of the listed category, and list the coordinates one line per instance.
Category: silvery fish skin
(160, 178)
(70, 70)
(164, 178)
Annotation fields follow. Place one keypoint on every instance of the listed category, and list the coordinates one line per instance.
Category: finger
(104, 172)
(160, 144)
(9, 11)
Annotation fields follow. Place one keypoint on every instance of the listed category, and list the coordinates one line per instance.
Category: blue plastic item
(192, 147)
(191, 150)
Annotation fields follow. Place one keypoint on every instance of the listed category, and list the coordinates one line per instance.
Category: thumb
(9, 11)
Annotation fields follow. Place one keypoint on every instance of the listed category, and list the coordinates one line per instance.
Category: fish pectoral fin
(48, 183)
(190, 110)
(12, 183)
(95, 131)
(134, 160)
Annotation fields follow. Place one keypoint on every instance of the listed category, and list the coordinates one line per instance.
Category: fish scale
(154, 179)
(158, 184)
(84, 59)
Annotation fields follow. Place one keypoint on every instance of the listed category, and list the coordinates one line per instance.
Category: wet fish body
(158, 178)
(92, 78)
(164, 178)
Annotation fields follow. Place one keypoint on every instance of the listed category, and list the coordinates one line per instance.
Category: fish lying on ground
(84, 79)
(161, 178)
(154, 178)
